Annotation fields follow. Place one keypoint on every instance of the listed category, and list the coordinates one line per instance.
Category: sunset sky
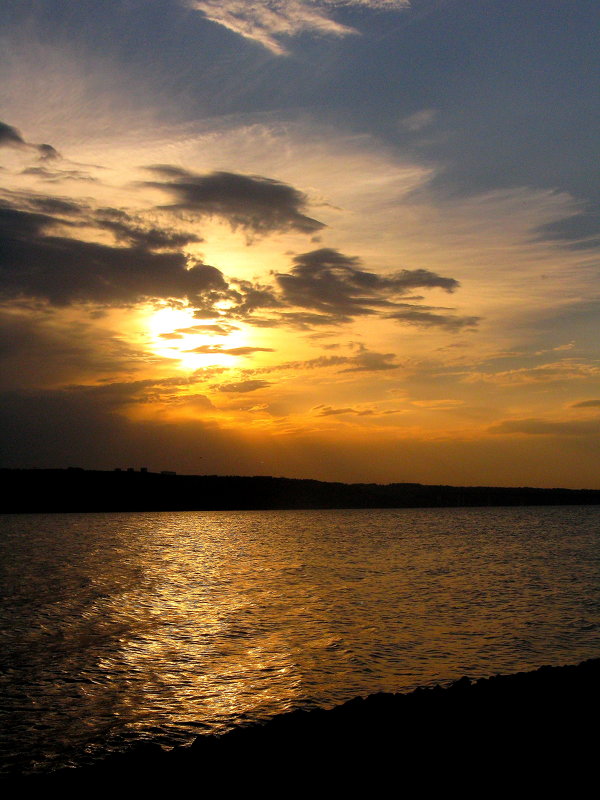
(349, 240)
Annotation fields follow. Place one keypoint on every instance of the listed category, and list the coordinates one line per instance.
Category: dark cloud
(328, 411)
(587, 404)
(38, 348)
(579, 232)
(422, 317)
(116, 394)
(200, 401)
(130, 229)
(542, 427)
(241, 387)
(11, 137)
(56, 175)
(46, 151)
(252, 202)
(300, 320)
(49, 428)
(327, 288)
(324, 287)
(252, 296)
(55, 206)
(306, 321)
(63, 270)
(333, 285)
(368, 361)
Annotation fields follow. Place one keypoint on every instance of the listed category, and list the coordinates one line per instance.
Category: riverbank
(537, 729)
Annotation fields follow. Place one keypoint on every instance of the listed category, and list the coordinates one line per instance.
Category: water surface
(120, 627)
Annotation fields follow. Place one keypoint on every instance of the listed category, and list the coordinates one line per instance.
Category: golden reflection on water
(192, 634)
(164, 625)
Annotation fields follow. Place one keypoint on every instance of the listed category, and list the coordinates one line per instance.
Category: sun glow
(175, 333)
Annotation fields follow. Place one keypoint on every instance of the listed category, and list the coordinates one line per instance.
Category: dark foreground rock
(534, 732)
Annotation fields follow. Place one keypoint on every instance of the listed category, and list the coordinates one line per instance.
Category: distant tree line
(49, 490)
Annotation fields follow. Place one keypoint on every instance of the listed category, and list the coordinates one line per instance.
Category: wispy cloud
(241, 387)
(322, 362)
(418, 120)
(543, 427)
(587, 404)
(266, 21)
(211, 349)
(331, 411)
(566, 370)
(365, 361)
(220, 329)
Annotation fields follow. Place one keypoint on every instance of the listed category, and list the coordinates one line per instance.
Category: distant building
(167, 472)
(144, 469)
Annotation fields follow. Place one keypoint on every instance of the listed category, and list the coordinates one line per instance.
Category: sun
(175, 333)
(169, 320)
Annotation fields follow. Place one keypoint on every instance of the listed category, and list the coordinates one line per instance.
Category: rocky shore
(529, 732)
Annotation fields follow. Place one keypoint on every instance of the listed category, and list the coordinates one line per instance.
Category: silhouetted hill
(48, 490)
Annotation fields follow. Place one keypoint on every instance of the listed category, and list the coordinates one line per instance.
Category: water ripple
(158, 626)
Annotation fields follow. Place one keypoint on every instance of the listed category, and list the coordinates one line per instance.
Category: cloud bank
(64, 271)
(66, 252)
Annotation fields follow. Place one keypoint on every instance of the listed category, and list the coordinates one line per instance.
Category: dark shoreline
(77, 490)
(539, 727)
